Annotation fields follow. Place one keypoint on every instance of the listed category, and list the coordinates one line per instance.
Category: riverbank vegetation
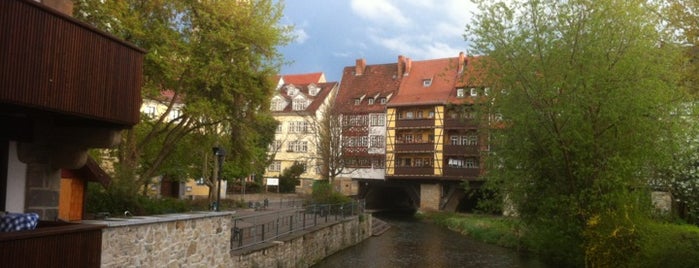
(591, 111)
(660, 244)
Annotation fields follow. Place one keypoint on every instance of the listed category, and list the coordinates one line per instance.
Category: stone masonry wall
(309, 248)
(169, 242)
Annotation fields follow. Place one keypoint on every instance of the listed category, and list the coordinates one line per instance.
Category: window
(298, 127)
(473, 139)
(471, 163)
(275, 146)
(297, 146)
(149, 111)
(357, 101)
(377, 119)
(418, 114)
(382, 100)
(277, 104)
(486, 91)
(276, 166)
(378, 163)
(371, 101)
(200, 181)
(464, 140)
(175, 114)
(279, 127)
(376, 141)
(409, 115)
(474, 92)
(426, 82)
(456, 163)
(460, 92)
(300, 104)
(363, 141)
(454, 140)
(430, 114)
(313, 90)
(408, 138)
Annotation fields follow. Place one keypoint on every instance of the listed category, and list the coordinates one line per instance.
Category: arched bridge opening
(393, 196)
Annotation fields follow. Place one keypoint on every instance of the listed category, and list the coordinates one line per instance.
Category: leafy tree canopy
(587, 91)
(212, 60)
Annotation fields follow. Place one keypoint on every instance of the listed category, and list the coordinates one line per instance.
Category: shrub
(323, 193)
(668, 245)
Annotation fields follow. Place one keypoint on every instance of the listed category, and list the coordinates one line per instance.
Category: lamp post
(220, 153)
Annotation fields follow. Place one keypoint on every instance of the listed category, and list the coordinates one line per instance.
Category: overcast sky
(332, 34)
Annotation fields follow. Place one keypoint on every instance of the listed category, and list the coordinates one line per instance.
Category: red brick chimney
(359, 67)
(408, 66)
(400, 66)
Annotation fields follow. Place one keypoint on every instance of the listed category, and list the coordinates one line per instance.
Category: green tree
(291, 177)
(216, 58)
(586, 91)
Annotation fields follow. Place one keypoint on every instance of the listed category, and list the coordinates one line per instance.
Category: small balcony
(415, 123)
(413, 171)
(460, 123)
(414, 147)
(463, 150)
(53, 244)
(461, 173)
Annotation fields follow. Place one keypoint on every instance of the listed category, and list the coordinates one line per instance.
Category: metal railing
(265, 227)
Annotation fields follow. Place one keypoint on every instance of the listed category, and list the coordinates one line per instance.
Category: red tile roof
(299, 79)
(376, 81)
(316, 101)
(431, 82)
(440, 72)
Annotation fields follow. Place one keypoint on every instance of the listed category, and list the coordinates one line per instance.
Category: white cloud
(300, 35)
(379, 11)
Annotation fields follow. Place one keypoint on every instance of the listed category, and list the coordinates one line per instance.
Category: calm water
(414, 243)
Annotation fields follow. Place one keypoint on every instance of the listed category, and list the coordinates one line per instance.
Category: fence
(264, 227)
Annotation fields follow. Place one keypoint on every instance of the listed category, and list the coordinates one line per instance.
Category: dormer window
(277, 104)
(427, 82)
(371, 101)
(299, 103)
(291, 90)
(486, 91)
(357, 101)
(313, 90)
(382, 100)
(474, 92)
(460, 92)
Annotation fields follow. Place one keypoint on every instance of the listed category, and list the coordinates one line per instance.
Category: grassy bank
(495, 230)
(659, 245)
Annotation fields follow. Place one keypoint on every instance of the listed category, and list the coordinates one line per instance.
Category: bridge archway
(383, 195)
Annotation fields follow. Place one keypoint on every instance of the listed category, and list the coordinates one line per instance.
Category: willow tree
(214, 57)
(587, 92)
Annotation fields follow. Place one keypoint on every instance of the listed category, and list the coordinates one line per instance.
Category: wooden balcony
(464, 150)
(54, 63)
(414, 147)
(460, 123)
(53, 245)
(415, 123)
(413, 171)
(461, 173)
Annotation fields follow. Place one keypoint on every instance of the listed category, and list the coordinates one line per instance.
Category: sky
(333, 34)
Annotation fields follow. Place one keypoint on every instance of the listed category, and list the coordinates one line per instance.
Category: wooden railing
(53, 62)
(461, 149)
(53, 244)
(415, 123)
(461, 173)
(415, 147)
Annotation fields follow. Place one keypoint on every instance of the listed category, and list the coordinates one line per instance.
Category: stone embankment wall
(307, 248)
(178, 240)
(204, 239)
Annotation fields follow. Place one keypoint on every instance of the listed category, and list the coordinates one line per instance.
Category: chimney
(400, 66)
(462, 62)
(359, 67)
(408, 66)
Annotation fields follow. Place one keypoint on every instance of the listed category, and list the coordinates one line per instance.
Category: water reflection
(414, 243)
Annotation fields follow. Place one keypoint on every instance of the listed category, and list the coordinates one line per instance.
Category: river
(416, 243)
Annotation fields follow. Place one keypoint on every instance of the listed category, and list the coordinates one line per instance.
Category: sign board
(273, 181)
